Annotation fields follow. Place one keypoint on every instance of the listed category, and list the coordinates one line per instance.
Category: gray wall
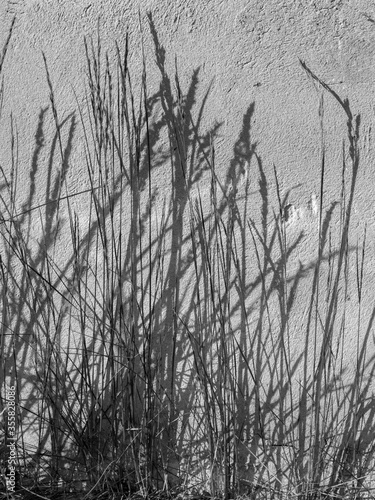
(240, 61)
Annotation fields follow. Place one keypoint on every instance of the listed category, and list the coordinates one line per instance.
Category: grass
(149, 321)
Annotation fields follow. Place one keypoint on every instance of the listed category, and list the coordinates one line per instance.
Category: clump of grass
(156, 356)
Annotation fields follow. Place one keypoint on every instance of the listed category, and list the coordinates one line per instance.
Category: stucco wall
(241, 62)
(246, 53)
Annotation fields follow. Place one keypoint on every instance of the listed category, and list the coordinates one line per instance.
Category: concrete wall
(246, 52)
(240, 60)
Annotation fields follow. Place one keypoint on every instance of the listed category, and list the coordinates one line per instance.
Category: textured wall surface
(262, 111)
(246, 52)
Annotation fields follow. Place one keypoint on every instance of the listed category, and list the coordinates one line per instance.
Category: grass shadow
(149, 321)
